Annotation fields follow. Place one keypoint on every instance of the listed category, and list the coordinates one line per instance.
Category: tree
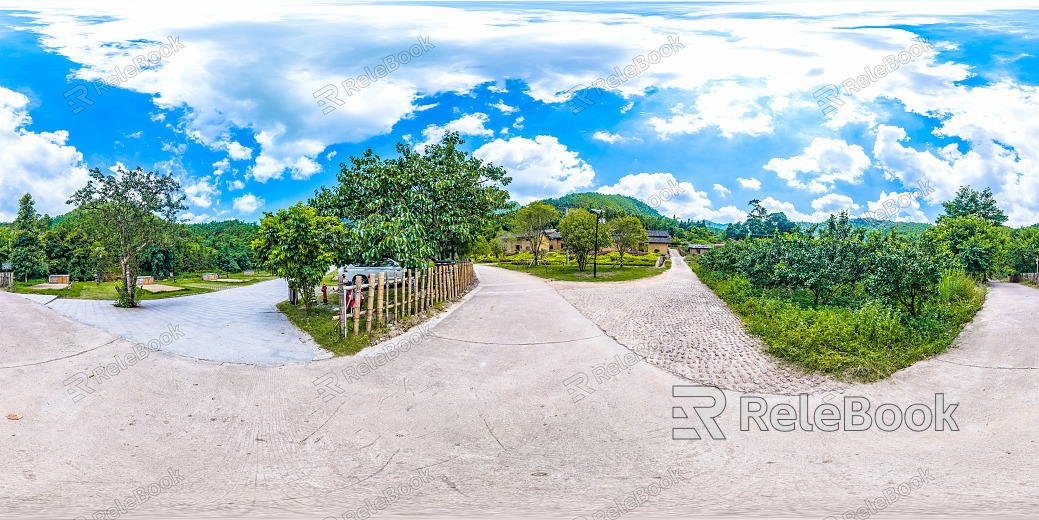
(970, 202)
(27, 255)
(700, 235)
(299, 245)
(757, 211)
(578, 231)
(974, 243)
(902, 271)
(627, 233)
(498, 245)
(131, 210)
(417, 205)
(530, 223)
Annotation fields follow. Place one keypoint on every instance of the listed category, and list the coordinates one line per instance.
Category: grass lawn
(191, 284)
(570, 273)
(325, 330)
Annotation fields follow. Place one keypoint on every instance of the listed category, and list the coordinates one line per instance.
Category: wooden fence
(393, 296)
(1018, 278)
(7, 279)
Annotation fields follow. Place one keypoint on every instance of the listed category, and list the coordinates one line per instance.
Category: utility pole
(595, 259)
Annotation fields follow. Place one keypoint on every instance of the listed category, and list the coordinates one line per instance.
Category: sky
(882, 109)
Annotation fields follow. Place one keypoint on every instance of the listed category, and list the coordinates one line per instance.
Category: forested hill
(618, 203)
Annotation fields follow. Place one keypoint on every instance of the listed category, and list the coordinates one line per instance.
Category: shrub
(955, 286)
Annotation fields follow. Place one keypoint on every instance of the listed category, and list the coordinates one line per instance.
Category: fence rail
(7, 279)
(394, 296)
(1018, 278)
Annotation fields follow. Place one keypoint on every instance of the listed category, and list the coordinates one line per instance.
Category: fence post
(429, 287)
(357, 305)
(371, 302)
(342, 303)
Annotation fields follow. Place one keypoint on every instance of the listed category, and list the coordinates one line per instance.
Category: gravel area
(678, 324)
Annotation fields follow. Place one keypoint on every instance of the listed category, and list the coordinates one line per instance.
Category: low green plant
(956, 285)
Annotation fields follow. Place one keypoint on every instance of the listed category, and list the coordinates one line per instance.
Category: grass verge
(570, 272)
(323, 328)
(865, 341)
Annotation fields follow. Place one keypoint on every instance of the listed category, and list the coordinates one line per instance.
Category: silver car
(370, 270)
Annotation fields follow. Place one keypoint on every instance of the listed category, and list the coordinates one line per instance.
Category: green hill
(618, 203)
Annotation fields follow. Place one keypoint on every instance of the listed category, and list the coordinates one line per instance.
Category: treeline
(38, 245)
(841, 299)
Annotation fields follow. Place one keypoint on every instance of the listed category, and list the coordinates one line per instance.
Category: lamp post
(595, 259)
(100, 253)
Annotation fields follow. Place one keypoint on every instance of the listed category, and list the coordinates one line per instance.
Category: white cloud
(607, 137)
(750, 184)
(201, 192)
(39, 163)
(235, 185)
(540, 168)
(896, 206)
(826, 161)
(729, 106)
(671, 197)
(237, 151)
(722, 190)
(248, 203)
(834, 203)
(469, 124)
(505, 109)
(330, 155)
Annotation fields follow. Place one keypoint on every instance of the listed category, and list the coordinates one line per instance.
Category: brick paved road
(680, 325)
(239, 325)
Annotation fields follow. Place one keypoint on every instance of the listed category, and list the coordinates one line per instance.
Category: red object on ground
(324, 293)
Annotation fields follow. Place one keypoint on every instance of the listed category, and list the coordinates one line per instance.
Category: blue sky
(720, 103)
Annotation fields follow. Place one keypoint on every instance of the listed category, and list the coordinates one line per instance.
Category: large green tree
(27, 254)
(577, 228)
(299, 245)
(976, 245)
(421, 204)
(530, 224)
(131, 210)
(968, 203)
(902, 271)
(627, 233)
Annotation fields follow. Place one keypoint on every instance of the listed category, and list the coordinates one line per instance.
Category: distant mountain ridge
(603, 201)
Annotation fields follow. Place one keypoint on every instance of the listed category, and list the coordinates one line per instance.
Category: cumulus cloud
(505, 109)
(540, 168)
(607, 137)
(750, 184)
(897, 206)
(671, 197)
(469, 124)
(729, 106)
(824, 162)
(722, 190)
(39, 163)
(248, 203)
(201, 192)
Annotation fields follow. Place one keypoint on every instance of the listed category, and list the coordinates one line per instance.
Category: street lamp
(100, 253)
(595, 259)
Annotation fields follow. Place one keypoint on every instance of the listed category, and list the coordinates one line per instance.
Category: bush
(955, 286)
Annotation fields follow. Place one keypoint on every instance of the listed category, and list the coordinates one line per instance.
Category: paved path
(239, 325)
(42, 299)
(479, 403)
(678, 324)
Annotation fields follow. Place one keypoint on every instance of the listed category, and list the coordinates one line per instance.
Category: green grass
(189, 284)
(864, 341)
(325, 330)
(570, 273)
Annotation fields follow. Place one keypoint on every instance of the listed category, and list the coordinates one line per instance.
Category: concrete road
(239, 325)
(471, 418)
